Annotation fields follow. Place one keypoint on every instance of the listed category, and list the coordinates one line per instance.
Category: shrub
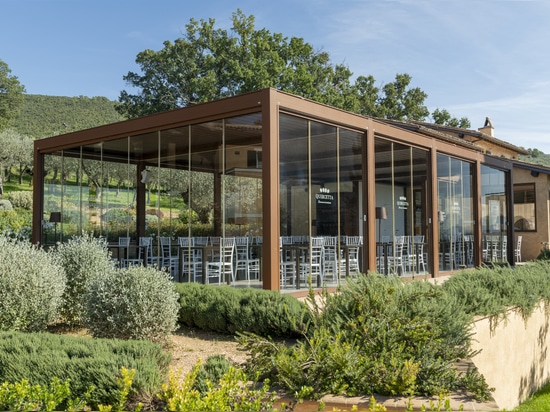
(37, 357)
(231, 393)
(134, 303)
(16, 223)
(21, 199)
(31, 286)
(492, 291)
(377, 335)
(212, 371)
(229, 310)
(5, 204)
(83, 258)
(544, 254)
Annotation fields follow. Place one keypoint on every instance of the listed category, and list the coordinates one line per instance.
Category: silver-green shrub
(5, 204)
(134, 303)
(31, 286)
(21, 198)
(84, 258)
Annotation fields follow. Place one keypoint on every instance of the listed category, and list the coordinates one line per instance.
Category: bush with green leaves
(211, 371)
(376, 335)
(5, 204)
(12, 221)
(232, 392)
(84, 258)
(493, 291)
(31, 286)
(134, 303)
(85, 362)
(544, 254)
(21, 199)
(228, 310)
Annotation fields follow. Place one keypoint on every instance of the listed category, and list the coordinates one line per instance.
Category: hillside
(43, 116)
(536, 157)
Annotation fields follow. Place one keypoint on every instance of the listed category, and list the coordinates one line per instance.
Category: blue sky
(475, 58)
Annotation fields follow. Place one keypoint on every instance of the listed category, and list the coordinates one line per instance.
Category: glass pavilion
(318, 193)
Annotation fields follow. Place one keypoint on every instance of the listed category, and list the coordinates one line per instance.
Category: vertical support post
(270, 191)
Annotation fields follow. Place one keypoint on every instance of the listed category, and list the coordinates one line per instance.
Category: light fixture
(381, 214)
(146, 176)
(55, 218)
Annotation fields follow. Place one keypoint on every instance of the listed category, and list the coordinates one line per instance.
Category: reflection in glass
(494, 218)
(455, 213)
(401, 176)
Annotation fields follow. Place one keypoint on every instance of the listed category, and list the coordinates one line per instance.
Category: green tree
(16, 151)
(443, 117)
(11, 95)
(209, 63)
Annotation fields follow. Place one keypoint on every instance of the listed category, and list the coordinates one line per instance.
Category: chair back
(124, 241)
(166, 246)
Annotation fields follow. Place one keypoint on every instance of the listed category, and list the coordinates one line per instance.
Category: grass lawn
(540, 401)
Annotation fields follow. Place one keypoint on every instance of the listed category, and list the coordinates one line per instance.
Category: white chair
(311, 268)
(287, 266)
(415, 258)
(191, 261)
(517, 251)
(244, 262)
(332, 258)
(396, 261)
(353, 243)
(167, 259)
(221, 264)
(145, 250)
(124, 248)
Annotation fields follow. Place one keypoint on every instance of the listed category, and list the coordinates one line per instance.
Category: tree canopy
(210, 63)
(11, 95)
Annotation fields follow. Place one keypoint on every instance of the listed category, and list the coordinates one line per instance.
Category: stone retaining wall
(514, 357)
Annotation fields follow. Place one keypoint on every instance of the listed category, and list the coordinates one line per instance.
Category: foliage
(31, 286)
(21, 396)
(43, 116)
(544, 254)
(16, 152)
(11, 95)
(536, 156)
(21, 199)
(133, 303)
(121, 215)
(212, 371)
(16, 223)
(210, 63)
(83, 258)
(85, 362)
(377, 335)
(492, 291)
(5, 204)
(229, 310)
(231, 393)
(444, 117)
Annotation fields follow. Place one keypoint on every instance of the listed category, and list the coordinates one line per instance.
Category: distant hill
(537, 157)
(44, 116)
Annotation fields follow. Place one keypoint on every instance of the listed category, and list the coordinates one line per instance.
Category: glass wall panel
(350, 189)
(294, 176)
(117, 204)
(455, 213)
(401, 181)
(53, 198)
(320, 195)
(494, 216)
(87, 198)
